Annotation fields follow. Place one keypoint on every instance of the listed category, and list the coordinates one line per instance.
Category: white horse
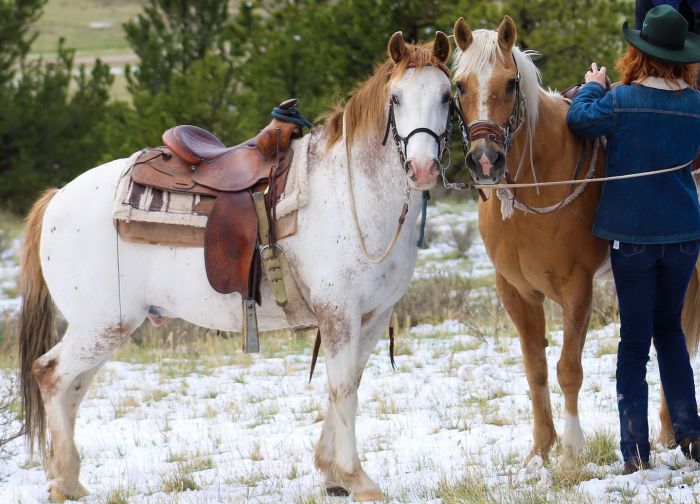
(69, 258)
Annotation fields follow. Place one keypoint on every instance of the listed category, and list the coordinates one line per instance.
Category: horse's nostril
(413, 177)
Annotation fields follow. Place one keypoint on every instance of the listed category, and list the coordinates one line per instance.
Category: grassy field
(72, 20)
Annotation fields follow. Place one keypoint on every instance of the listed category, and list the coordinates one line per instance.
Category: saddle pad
(145, 215)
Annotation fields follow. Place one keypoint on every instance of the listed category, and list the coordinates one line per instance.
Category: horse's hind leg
(576, 301)
(63, 375)
(528, 317)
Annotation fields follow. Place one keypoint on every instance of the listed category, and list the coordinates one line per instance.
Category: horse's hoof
(666, 440)
(571, 455)
(371, 495)
(337, 491)
(57, 495)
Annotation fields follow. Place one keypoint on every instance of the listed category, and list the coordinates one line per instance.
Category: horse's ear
(506, 34)
(441, 46)
(463, 34)
(397, 47)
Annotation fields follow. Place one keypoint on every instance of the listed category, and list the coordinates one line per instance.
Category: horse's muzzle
(422, 174)
(486, 164)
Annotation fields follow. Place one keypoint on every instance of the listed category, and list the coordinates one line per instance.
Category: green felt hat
(664, 35)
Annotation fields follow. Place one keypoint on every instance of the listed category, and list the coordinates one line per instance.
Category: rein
(469, 185)
(353, 208)
(401, 147)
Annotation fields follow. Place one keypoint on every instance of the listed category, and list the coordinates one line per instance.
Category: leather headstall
(491, 130)
(443, 139)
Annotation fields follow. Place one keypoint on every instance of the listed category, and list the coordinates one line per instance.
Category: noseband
(490, 130)
(443, 140)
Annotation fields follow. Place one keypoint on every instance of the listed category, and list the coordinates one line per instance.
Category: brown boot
(634, 465)
(690, 446)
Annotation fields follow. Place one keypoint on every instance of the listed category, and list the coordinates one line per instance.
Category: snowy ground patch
(451, 424)
(455, 412)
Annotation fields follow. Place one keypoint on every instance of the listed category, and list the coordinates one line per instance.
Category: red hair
(634, 65)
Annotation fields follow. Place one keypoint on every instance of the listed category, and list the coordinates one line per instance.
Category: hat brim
(689, 54)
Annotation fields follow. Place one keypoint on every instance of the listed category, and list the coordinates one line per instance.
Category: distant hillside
(90, 26)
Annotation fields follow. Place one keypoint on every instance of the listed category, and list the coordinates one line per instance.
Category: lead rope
(353, 208)
(567, 182)
(509, 202)
(423, 218)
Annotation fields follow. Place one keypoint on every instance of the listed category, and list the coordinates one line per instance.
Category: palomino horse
(70, 258)
(551, 255)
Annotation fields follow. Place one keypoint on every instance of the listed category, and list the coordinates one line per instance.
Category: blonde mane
(483, 52)
(365, 109)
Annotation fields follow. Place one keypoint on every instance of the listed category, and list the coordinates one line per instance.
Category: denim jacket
(647, 129)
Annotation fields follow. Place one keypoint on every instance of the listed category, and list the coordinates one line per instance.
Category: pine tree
(51, 123)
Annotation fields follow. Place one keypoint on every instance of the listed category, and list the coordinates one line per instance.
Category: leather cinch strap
(268, 254)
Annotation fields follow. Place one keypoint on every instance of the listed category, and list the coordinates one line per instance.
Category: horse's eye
(460, 89)
(446, 97)
(511, 86)
(395, 100)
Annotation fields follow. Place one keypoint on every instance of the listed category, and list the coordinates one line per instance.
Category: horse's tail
(36, 323)
(691, 312)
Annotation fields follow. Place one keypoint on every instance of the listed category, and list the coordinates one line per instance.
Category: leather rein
(401, 142)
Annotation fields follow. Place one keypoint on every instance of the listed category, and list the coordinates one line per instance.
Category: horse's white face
(421, 99)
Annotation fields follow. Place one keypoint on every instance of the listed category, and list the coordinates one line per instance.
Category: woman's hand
(595, 75)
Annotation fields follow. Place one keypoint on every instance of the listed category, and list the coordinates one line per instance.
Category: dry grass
(463, 238)
(71, 20)
(476, 488)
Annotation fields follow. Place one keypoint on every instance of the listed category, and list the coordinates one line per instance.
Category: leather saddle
(195, 161)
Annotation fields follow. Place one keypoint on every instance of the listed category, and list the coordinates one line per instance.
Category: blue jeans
(651, 281)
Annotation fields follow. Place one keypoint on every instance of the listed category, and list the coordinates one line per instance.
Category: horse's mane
(365, 109)
(482, 53)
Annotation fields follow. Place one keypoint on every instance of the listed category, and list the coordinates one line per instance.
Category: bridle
(491, 130)
(443, 139)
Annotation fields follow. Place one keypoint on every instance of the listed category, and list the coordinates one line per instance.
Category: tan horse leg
(666, 436)
(577, 296)
(528, 318)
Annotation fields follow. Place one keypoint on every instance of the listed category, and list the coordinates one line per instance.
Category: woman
(652, 122)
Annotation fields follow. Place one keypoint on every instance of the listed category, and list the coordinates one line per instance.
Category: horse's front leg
(346, 353)
(576, 301)
(528, 316)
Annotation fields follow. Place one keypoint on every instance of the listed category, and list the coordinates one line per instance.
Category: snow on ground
(442, 253)
(454, 417)
(456, 405)
(9, 269)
